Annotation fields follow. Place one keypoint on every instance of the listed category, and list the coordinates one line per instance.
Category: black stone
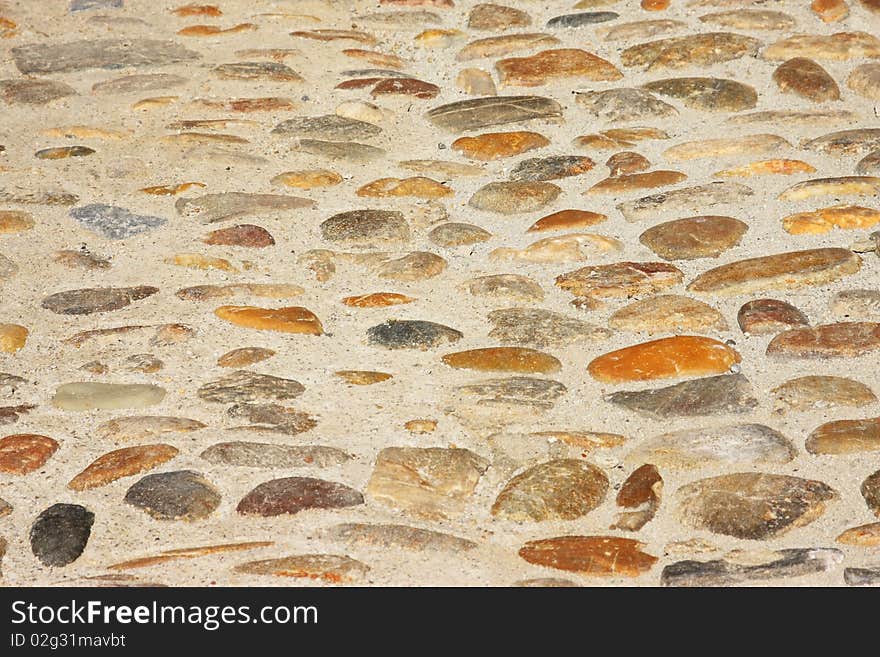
(60, 533)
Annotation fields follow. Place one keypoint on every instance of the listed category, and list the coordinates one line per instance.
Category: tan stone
(262, 290)
(780, 167)
(863, 535)
(621, 279)
(504, 359)
(845, 437)
(820, 392)
(329, 568)
(573, 247)
(245, 356)
(415, 266)
(726, 146)
(694, 237)
(377, 300)
(807, 79)
(566, 220)
(362, 378)
(668, 313)
(514, 287)
(188, 553)
(307, 178)
(627, 162)
(769, 316)
(830, 11)
(865, 80)
(417, 186)
(198, 261)
(499, 46)
(293, 319)
(120, 463)
(553, 65)
(691, 50)
(636, 182)
(496, 145)
(15, 221)
(840, 46)
(420, 426)
(817, 222)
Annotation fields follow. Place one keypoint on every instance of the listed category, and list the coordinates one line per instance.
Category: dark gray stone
(60, 534)
(412, 334)
(180, 495)
(782, 564)
(713, 395)
(113, 222)
(95, 300)
(584, 18)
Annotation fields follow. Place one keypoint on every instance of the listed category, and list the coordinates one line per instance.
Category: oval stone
(504, 359)
(60, 534)
(87, 396)
(293, 319)
(181, 495)
(291, 495)
(694, 237)
(590, 555)
(845, 437)
(23, 453)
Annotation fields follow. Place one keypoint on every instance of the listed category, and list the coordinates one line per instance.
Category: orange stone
(567, 219)
(590, 555)
(214, 30)
(779, 167)
(504, 359)
(405, 87)
(188, 553)
(22, 453)
(122, 463)
(496, 145)
(12, 337)
(417, 186)
(15, 221)
(636, 181)
(171, 190)
(863, 535)
(377, 300)
(830, 11)
(560, 64)
(293, 319)
(248, 104)
(198, 261)
(681, 355)
(380, 59)
(655, 5)
(307, 178)
(361, 377)
(197, 10)
(846, 217)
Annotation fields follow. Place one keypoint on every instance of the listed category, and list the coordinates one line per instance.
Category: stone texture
(707, 94)
(821, 392)
(247, 387)
(432, 483)
(140, 427)
(329, 568)
(807, 79)
(497, 17)
(863, 535)
(60, 534)
(498, 46)
(293, 319)
(564, 489)
(100, 53)
(496, 145)
(87, 396)
(685, 200)
(823, 220)
(26, 91)
(412, 334)
(330, 127)
(668, 313)
(838, 340)
(692, 50)
(846, 142)
(713, 395)
(743, 567)
(551, 168)
(477, 113)
(23, 453)
(504, 359)
(870, 490)
(455, 234)
(95, 300)
(840, 46)
(180, 495)
(845, 437)
(508, 287)
(865, 80)
(226, 206)
(752, 505)
(270, 455)
(514, 197)
(640, 493)
(694, 237)
(625, 105)
(567, 219)
(553, 65)
(622, 279)
(244, 235)
(120, 463)
(541, 328)
(291, 495)
(769, 316)
(590, 555)
(403, 537)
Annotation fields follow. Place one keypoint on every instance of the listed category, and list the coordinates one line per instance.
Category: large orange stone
(122, 463)
(12, 337)
(293, 319)
(567, 219)
(504, 359)
(25, 452)
(550, 65)
(590, 555)
(496, 145)
(681, 355)
(417, 186)
(845, 217)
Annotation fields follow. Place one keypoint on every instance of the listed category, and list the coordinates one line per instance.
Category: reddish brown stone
(405, 87)
(765, 316)
(25, 452)
(590, 555)
(842, 339)
(550, 65)
(807, 79)
(242, 235)
(845, 437)
(621, 279)
(122, 463)
(567, 219)
(294, 494)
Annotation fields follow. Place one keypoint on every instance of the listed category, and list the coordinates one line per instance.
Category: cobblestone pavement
(435, 292)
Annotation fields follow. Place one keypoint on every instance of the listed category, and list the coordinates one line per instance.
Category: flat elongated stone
(212, 208)
(840, 46)
(870, 490)
(863, 535)
(415, 266)
(667, 313)
(541, 328)
(780, 271)
(553, 65)
(397, 536)
(707, 94)
(564, 489)
(726, 146)
(573, 247)
(807, 79)
(499, 46)
(308, 178)
(180, 495)
(87, 396)
(188, 553)
(815, 392)
(636, 182)
(293, 319)
(15, 221)
(349, 151)
(752, 505)
(330, 127)
(261, 71)
(713, 395)
(839, 340)
(99, 53)
(582, 19)
(845, 142)
(34, 92)
(750, 19)
(246, 387)
(476, 113)
(362, 378)
(769, 316)
(95, 300)
(823, 220)
(113, 222)
(270, 455)
(454, 234)
(622, 279)
(551, 168)
(865, 80)
(869, 165)
(838, 186)
(23, 453)
(416, 186)
(514, 197)
(745, 568)
(567, 219)
(496, 145)
(735, 444)
(504, 359)
(627, 163)
(687, 199)
(366, 228)
(502, 399)
(774, 167)
(412, 334)
(497, 17)
(12, 337)
(244, 235)
(590, 555)
(272, 418)
(138, 83)
(291, 495)
(625, 105)
(683, 355)
(692, 50)
(120, 463)
(377, 300)
(856, 305)
(845, 437)
(330, 568)
(38, 197)
(694, 237)
(642, 29)
(139, 427)
(60, 533)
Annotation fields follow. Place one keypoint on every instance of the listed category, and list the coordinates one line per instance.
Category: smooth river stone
(179, 495)
(120, 463)
(845, 142)
(750, 19)
(454, 234)
(476, 113)
(432, 483)
(564, 489)
(23, 453)
(840, 46)
(498, 46)
(291, 495)
(34, 92)
(496, 145)
(100, 53)
(95, 300)
(415, 266)
(329, 127)
(845, 437)
(244, 235)
(412, 334)
(212, 208)
(257, 71)
(328, 568)
(270, 455)
(691, 50)
(805, 78)
(759, 144)
(838, 340)
(566, 220)
(386, 536)
(89, 396)
(504, 359)
(573, 247)
(752, 505)
(823, 220)
(590, 555)
(707, 94)
(553, 66)
(621, 279)
(551, 168)
(750, 568)
(292, 319)
(734, 444)
(694, 237)
(625, 105)
(582, 19)
(348, 151)
(821, 392)
(497, 402)
(248, 387)
(60, 534)
(781, 271)
(667, 313)
(677, 356)
(113, 222)
(870, 164)
(865, 80)
(514, 197)
(686, 199)
(769, 316)
(713, 395)
(541, 328)
(870, 490)
(361, 228)
(836, 187)
(415, 186)
(863, 535)
(640, 493)
(140, 427)
(496, 17)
